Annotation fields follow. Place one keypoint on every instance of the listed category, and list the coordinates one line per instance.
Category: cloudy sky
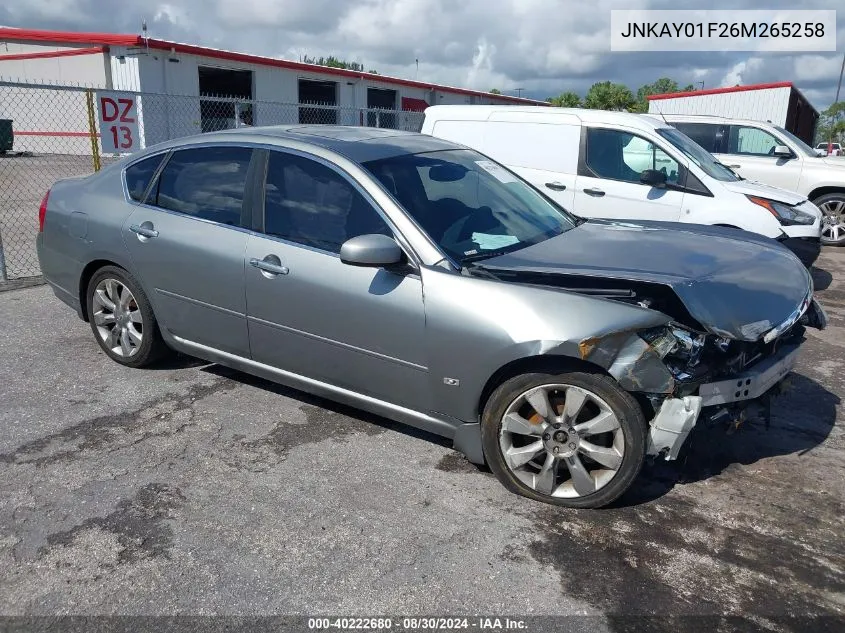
(542, 46)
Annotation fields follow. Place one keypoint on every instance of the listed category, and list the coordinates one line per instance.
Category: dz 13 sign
(118, 112)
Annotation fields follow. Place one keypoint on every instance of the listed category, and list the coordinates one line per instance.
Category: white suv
(769, 154)
(830, 149)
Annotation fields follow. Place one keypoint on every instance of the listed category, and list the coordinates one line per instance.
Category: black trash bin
(7, 137)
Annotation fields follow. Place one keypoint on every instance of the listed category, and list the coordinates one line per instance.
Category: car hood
(733, 283)
(753, 188)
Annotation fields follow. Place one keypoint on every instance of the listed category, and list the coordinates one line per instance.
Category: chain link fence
(50, 132)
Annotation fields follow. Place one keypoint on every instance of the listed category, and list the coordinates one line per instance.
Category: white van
(626, 166)
(767, 153)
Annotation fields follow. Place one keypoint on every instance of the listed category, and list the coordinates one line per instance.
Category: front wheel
(832, 207)
(574, 439)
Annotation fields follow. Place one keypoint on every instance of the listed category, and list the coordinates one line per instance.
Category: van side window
(751, 141)
(619, 155)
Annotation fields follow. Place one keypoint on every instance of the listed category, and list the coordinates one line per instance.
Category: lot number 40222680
(118, 114)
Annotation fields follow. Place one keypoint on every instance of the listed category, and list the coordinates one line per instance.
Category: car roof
(359, 144)
(707, 118)
(541, 114)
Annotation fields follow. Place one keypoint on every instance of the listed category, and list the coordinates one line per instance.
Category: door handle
(556, 186)
(143, 231)
(735, 166)
(596, 193)
(269, 267)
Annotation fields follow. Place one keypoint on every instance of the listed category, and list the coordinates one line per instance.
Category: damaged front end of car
(685, 376)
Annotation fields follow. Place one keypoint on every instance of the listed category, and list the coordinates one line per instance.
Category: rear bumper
(66, 296)
(807, 249)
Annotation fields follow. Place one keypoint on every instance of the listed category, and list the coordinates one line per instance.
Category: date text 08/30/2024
(416, 624)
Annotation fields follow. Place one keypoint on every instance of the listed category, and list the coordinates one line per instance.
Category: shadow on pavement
(323, 403)
(821, 278)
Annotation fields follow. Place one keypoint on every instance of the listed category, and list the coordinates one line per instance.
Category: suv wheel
(832, 207)
(122, 319)
(574, 439)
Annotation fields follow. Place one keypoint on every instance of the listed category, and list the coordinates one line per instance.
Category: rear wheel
(574, 439)
(122, 319)
(832, 206)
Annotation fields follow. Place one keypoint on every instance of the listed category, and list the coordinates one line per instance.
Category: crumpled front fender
(630, 360)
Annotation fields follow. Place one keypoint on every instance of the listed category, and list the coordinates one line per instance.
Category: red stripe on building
(63, 134)
(50, 54)
(718, 91)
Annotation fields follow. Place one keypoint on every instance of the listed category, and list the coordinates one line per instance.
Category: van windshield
(698, 155)
(472, 207)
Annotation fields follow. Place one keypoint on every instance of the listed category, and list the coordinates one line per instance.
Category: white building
(779, 103)
(257, 90)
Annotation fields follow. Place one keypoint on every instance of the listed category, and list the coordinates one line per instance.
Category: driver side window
(619, 155)
(751, 141)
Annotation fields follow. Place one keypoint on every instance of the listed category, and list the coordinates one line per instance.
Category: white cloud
(176, 16)
(737, 75)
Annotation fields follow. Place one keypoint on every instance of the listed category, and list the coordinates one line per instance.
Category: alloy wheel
(833, 222)
(117, 318)
(562, 440)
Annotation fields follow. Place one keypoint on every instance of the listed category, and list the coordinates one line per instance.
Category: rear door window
(140, 175)
(206, 182)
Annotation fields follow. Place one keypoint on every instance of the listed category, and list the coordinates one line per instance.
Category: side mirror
(653, 178)
(782, 151)
(372, 250)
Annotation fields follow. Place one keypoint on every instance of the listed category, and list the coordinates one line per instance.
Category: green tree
(335, 62)
(664, 85)
(831, 126)
(606, 95)
(566, 99)
(495, 91)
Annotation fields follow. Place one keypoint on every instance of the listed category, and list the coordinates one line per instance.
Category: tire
(142, 344)
(832, 206)
(622, 447)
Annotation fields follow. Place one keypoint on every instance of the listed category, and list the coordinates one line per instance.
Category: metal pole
(92, 129)
(3, 276)
(836, 100)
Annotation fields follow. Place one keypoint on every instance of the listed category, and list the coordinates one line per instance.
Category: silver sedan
(420, 280)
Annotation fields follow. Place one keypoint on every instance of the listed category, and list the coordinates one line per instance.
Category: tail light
(42, 211)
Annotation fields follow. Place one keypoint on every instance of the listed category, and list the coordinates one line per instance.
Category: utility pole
(519, 91)
(836, 100)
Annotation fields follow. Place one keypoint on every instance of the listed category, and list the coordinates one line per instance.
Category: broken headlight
(672, 340)
(785, 214)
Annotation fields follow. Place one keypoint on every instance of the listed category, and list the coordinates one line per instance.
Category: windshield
(805, 149)
(469, 205)
(697, 154)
